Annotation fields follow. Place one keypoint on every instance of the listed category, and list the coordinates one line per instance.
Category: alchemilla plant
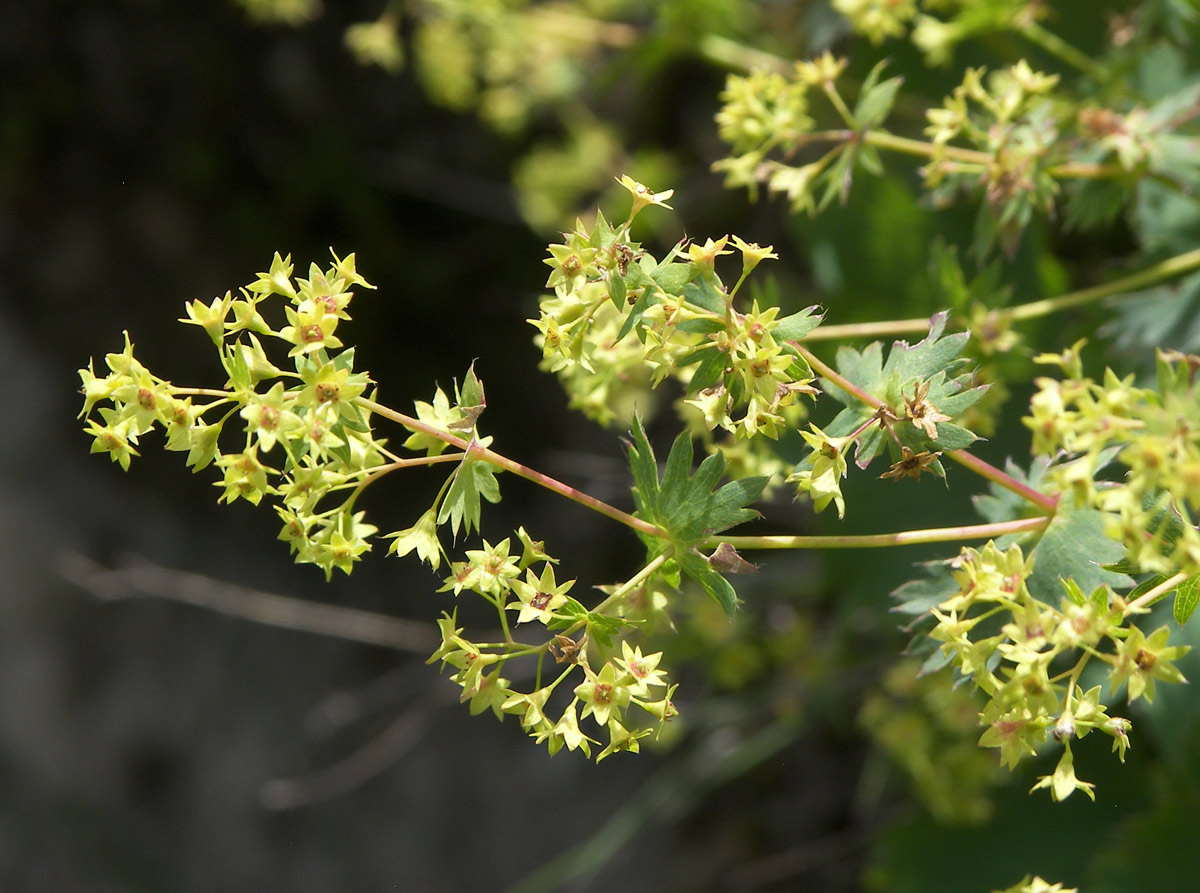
(1043, 612)
(304, 440)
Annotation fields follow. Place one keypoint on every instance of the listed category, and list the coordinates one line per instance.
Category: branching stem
(1167, 269)
(631, 584)
(974, 463)
(878, 540)
(476, 450)
(1056, 46)
(1146, 599)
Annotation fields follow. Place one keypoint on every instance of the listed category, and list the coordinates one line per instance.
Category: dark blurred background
(152, 153)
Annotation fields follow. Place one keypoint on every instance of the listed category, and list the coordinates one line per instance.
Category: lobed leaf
(1187, 598)
(473, 479)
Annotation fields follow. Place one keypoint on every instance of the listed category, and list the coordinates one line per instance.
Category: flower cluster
(505, 60)
(1012, 119)
(766, 112)
(1006, 136)
(1027, 658)
(1035, 884)
(288, 12)
(936, 36)
(620, 321)
(1154, 434)
(878, 19)
(605, 685)
(305, 442)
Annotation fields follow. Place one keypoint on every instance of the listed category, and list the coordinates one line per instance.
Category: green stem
(494, 458)
(1174, 266)
(566, 26)
(971, 159)
(739, 57)
(1059, 48)
(503, 619)
(833, 375)
(868, 329)
(840, 104)
(1069, 703)
(881, 139)
(629, 585)
(1146, 599)
(882, 540)
(201, 392)
(514, 648)
(1167, 269)
(375, 473)
(974, 463)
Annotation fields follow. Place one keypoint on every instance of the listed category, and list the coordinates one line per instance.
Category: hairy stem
(631, 584)
(880, 540)
(1146, 599)
(1167, 269)
(996, 476)
(833, 375)
(974, 463)
(882, 139)
(739, 57)
(1173, 266)
(1059, 48)
(494, 458)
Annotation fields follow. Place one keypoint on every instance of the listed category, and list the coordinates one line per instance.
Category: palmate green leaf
(644, 470)
(837, 179)
(863, 368)
(473, 479)
(1074, 593)
(1002, 504)
(1164, 524)
(672, 277)
(239, 371)
(711, 368)
(950, 437)
(935, 362)
(934, 353)
(602, 627)
(797, 325)
(616, 291)
(701, 292)
(1166, 316)
(471, 393)
(689, 506)
(602, 234)
(690, 509)
(697, 567)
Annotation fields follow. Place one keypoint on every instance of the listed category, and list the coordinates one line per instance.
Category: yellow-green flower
(643, 196)
(603, 694)
(1063, 782)
(539, 598)
(1141, 659)
(643, 669)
